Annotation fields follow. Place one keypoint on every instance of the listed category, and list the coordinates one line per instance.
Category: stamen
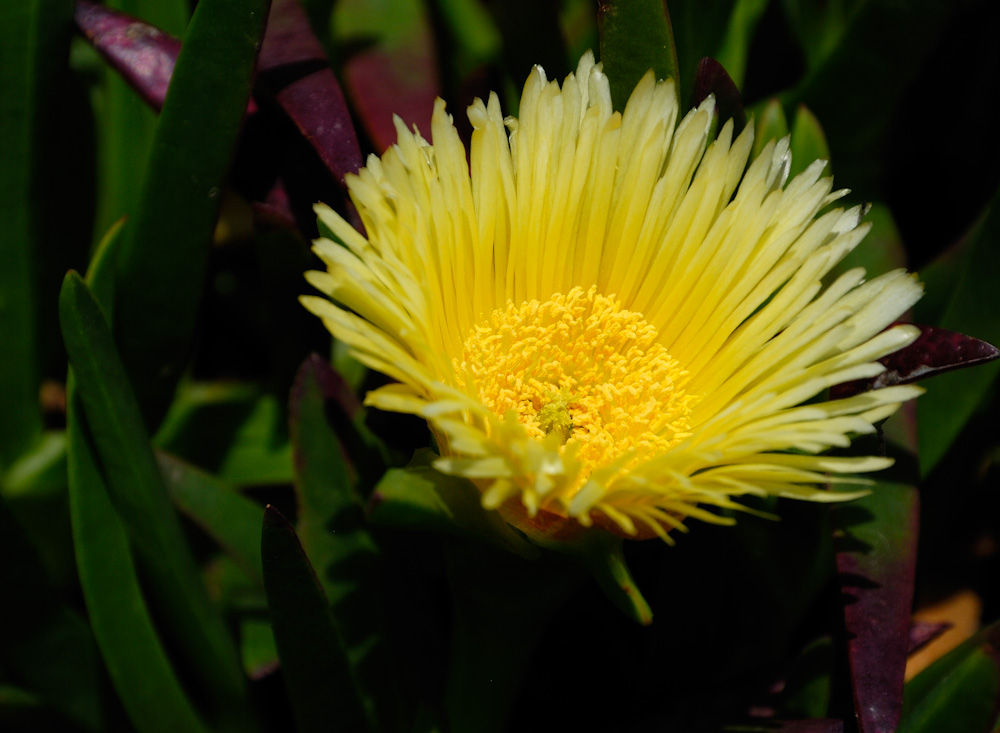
(581, 366)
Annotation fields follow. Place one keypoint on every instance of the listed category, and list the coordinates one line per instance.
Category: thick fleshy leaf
(855, 98)
(162, 262)
(876, 559)
(334, 535)
(501, 605)
(770, 124)
(711, 78)
(143, 54)
(313, 659)
(734, 50)
(136, 488)
(636, 36)
(51, 649)
(807, 686)
(703, 30)
(229, 518)
(420, 497)
(923, 633)
(258, 649)
(935, 351)
(230, 430)
(34, 45)
(35, 490)
(294, 67)
(960, 691)
(394, 70)
(478, 38)
(808, 142)
(973, 308)
(136, 662)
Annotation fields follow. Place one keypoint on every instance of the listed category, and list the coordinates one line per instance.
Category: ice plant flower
(608, 318)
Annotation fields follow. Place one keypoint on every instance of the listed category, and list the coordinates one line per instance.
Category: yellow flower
(606, 318)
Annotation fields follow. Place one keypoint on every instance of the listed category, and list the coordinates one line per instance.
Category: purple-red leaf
(935, 351)
(294, 67)
(143, 54)
(711, 78)
(923, 633)
(399, 80)
(876, 560)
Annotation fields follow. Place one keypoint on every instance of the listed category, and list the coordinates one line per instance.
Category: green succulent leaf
(960, 691)
(808, 142)
(140, 497)
(421, 497)
(313, 658)
(232, 430)
(334, 534)
(136, 661)
(770, 124)
(734, 50)
(952, 399)
(34, 44)
(227, 517)
(636, 36)
(161, 265)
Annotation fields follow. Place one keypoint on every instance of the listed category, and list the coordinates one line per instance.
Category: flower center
(581, 366)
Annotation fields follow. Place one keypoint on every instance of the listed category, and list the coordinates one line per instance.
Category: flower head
(607, 318)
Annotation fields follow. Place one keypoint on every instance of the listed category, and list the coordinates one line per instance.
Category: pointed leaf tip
(936, 350)
(711, 78)
(143, 54)
(293, 65)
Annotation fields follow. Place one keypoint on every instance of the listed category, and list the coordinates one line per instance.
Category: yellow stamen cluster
(581, 366)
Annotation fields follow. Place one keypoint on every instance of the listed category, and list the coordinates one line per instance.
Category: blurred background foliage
(145, 585)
